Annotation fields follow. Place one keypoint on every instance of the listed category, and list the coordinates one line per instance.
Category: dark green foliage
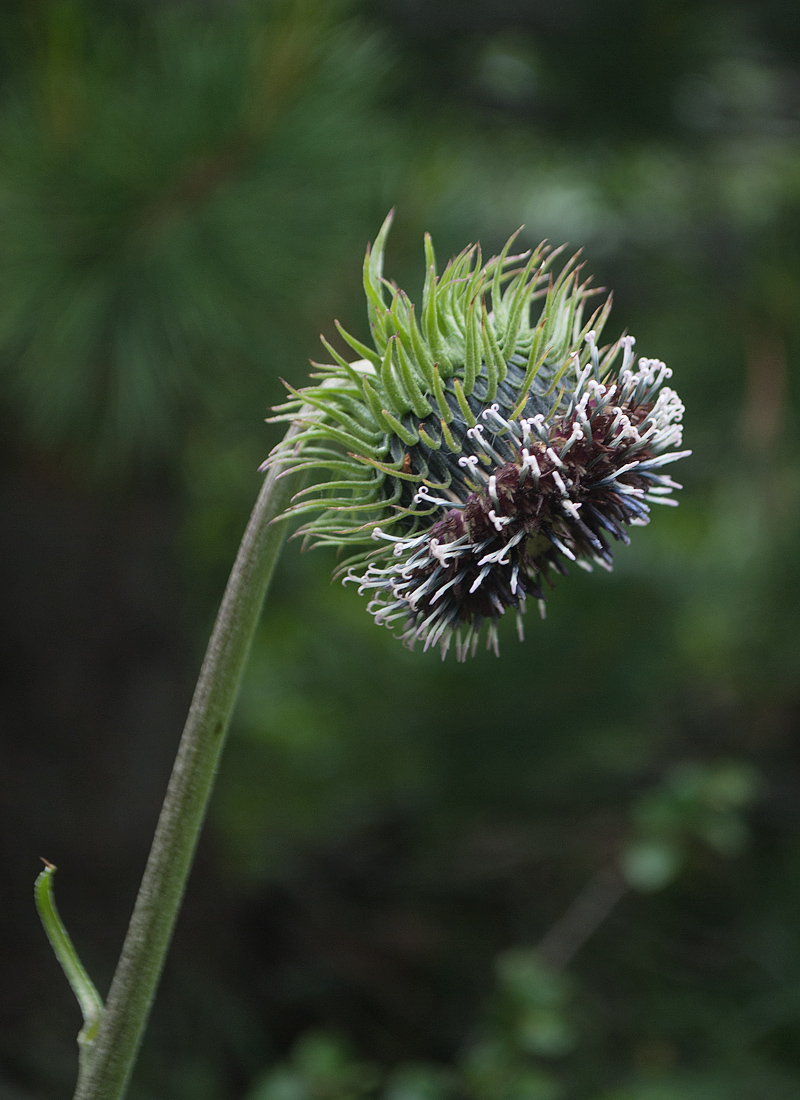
(174, 193)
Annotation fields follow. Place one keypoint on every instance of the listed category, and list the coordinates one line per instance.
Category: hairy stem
(105, 1074)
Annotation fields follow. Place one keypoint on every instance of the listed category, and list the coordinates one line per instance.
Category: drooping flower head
(481, 445)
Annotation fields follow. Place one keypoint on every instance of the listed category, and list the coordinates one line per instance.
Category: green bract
(481, 446)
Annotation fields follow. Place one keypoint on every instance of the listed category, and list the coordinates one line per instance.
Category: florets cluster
(483, 450)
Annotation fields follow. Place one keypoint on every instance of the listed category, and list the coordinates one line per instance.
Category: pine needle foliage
(167, 199)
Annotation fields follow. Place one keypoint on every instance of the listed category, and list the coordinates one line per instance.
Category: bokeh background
(570, 874)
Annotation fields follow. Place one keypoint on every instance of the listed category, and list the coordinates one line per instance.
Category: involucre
(480, 446)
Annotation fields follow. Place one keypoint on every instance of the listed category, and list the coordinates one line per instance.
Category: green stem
(105, 1075)
(89, 1000)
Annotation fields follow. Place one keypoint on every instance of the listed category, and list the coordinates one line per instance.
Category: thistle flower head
(481, 445)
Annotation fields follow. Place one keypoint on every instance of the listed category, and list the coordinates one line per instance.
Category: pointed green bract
(416, 380)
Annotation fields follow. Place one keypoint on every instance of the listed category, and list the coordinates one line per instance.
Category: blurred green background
(186, 192)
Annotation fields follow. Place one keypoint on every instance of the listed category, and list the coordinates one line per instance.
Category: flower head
(477, 450)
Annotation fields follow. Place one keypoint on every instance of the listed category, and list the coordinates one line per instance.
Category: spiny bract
(480, 447)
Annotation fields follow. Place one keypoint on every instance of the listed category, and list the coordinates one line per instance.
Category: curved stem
(105, 1075)
(89, 1000)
